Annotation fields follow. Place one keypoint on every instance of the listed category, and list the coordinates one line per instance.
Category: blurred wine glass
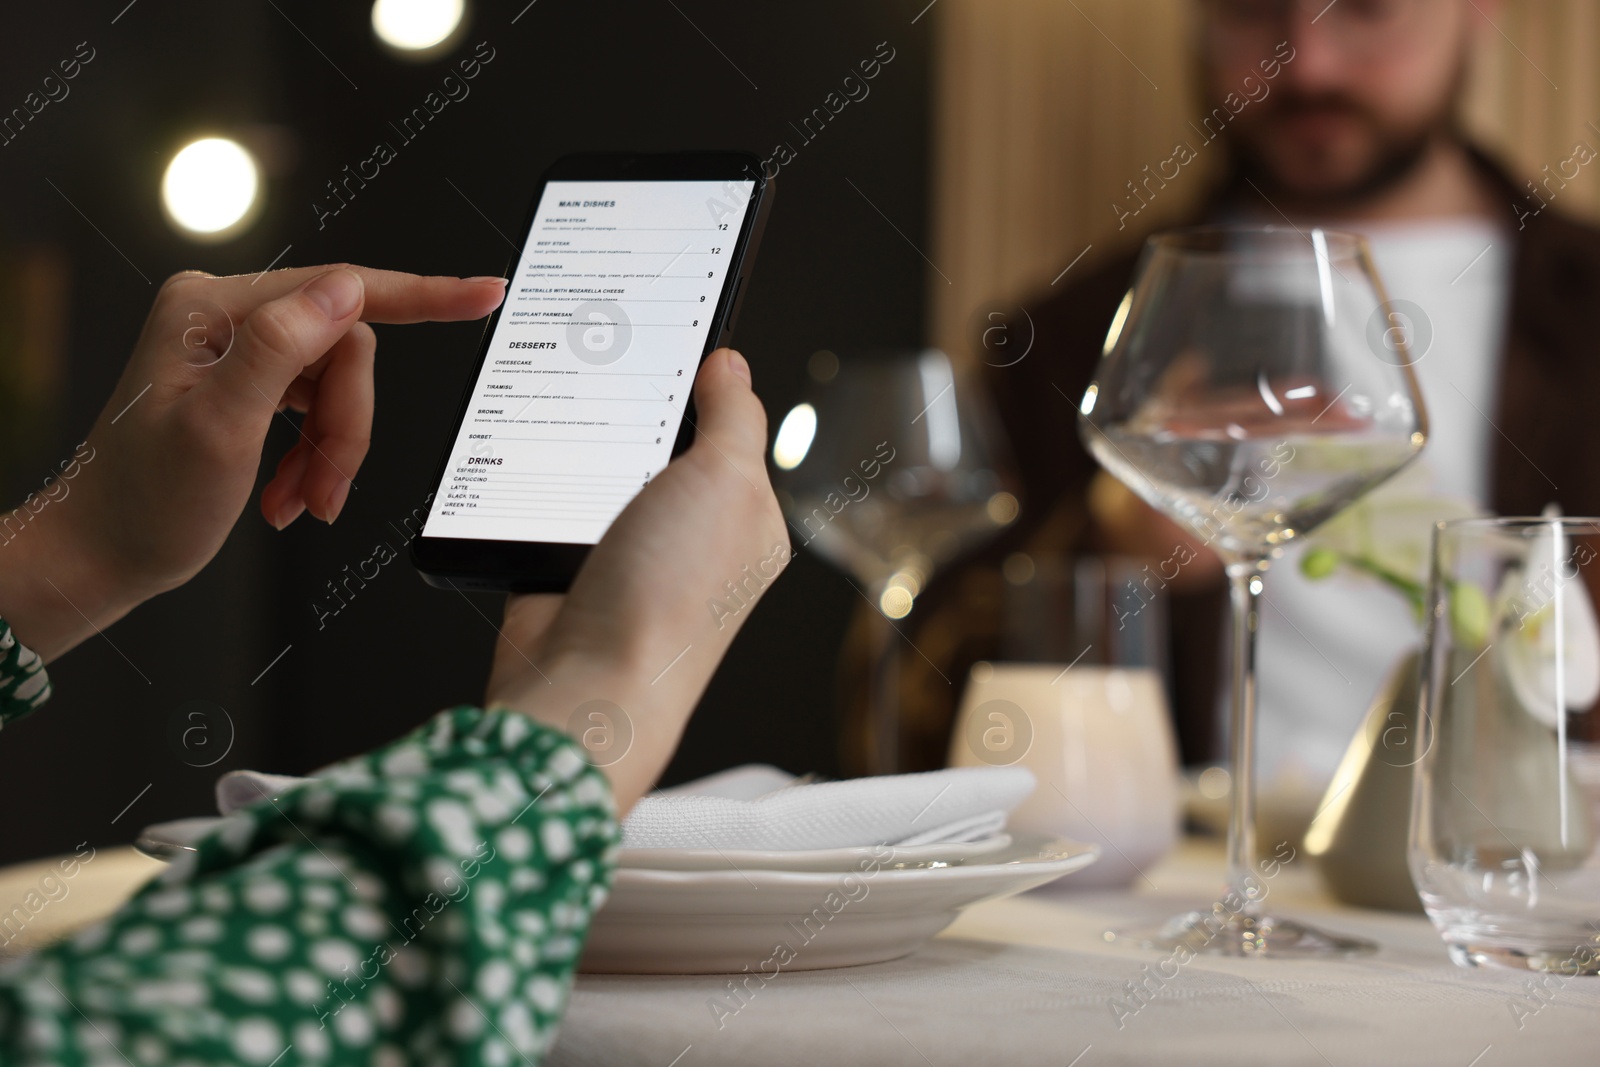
(891, 466)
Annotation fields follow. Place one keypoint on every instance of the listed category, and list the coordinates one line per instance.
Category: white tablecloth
(1031, 980)
(100, 886)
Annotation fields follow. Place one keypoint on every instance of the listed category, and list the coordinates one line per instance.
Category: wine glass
(891, 466)
(1254, 381)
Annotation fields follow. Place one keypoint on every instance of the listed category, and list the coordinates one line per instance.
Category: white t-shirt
(1325, 646)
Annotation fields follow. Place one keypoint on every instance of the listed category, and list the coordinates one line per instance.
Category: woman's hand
(658, 601)
(170, 464)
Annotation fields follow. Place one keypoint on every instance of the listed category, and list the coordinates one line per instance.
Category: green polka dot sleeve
(425, 904)
(23, 682)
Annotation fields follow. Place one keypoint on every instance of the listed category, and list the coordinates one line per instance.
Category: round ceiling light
(417, 26)
(211, 190)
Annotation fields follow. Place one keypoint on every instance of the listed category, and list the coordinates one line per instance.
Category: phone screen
(583, 387)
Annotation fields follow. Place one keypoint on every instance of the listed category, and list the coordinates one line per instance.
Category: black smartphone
(631, 271)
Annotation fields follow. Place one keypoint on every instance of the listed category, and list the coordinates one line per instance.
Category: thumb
(282, 337)
(731, 420)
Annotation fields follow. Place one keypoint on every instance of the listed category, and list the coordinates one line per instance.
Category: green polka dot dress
(424, 904)
(23, 682)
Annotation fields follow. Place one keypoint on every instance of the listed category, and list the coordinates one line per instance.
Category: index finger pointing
(392, 296)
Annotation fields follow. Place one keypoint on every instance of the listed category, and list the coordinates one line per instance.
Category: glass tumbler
(1504, 847)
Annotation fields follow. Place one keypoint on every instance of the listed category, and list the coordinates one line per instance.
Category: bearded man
(1500, 295)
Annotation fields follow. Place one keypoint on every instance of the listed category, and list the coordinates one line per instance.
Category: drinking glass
(891, 466)
(1254, 381)
(1503, 824)
(1079, 697)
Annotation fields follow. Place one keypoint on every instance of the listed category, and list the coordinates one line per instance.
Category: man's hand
(658, 601)
(177, 449)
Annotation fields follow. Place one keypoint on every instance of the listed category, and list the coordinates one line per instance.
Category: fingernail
(488, 279)
(737, 364)
(336, 500)
(288, 513)
(337, 293)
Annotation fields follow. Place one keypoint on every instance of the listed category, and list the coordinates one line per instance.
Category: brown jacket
(1545, 450)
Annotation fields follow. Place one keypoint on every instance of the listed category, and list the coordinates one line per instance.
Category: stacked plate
(708, 911)
(717, 909)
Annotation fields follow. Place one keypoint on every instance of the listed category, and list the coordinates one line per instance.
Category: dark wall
(308, 85)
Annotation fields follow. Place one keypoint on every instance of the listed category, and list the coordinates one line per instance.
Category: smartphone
(631, 271)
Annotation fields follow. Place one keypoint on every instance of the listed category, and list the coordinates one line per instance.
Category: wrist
(54, 590)
(627, 727)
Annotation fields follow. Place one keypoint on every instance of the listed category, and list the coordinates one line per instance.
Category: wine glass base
(1568, 960)
(1222, 934)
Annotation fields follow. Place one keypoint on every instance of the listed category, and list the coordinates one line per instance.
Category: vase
(1358, 837)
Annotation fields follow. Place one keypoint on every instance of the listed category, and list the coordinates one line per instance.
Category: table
(1031, 980)
(99, 887)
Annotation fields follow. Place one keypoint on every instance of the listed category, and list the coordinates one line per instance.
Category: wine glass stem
(884, 697)
(1245, 580)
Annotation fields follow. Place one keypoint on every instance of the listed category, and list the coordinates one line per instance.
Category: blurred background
(983, 161)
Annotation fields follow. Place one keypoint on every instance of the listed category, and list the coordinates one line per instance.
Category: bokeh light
(417, 25)
(794, 438)
(211, 189)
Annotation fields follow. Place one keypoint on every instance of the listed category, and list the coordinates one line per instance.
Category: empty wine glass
(1254, 381)
(891, 466)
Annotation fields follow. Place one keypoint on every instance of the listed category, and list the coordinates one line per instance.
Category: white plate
(719, 921)
(954, 854)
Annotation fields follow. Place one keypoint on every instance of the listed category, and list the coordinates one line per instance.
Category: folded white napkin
(760, 807)
(240, 789)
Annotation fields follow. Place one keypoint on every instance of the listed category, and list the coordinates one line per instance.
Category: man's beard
(1398, 154)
